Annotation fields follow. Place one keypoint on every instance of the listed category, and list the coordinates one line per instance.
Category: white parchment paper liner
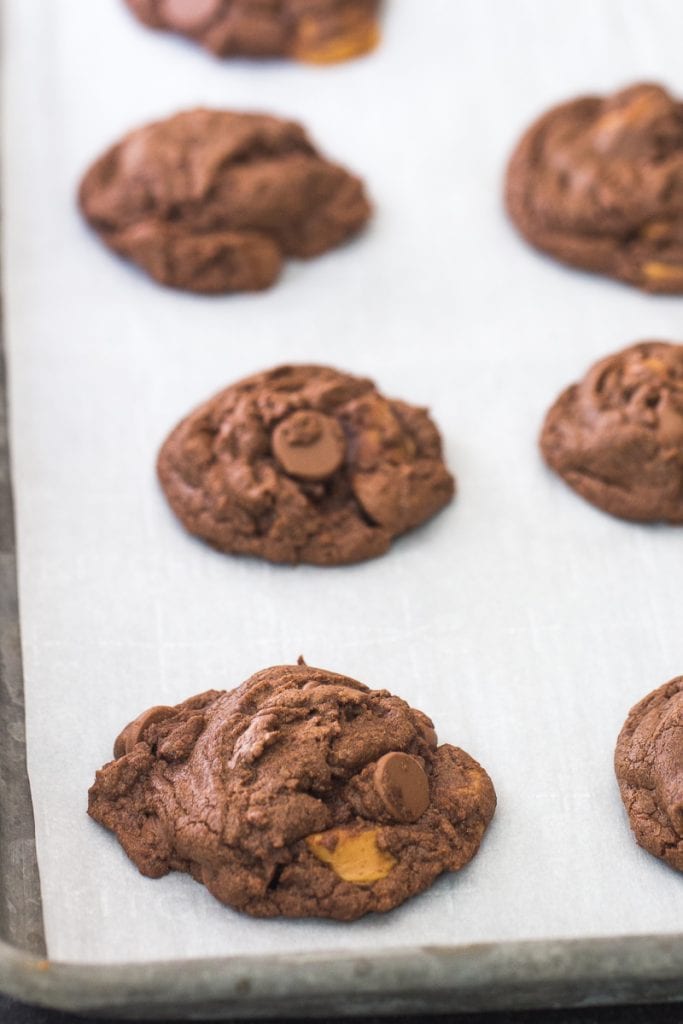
(522, 620)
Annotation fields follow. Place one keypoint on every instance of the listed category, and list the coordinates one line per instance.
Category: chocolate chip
(309, 445)
(402, 785)
(190, 15)
(132, 734)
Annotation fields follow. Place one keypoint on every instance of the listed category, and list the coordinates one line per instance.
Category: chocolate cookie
(649, 766)
(617, 436)
(598, 184)
(304, 464)
(213, 201)
(316, 31)
(301, 793)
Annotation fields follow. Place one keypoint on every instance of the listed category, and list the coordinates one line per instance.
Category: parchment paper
(523, 621)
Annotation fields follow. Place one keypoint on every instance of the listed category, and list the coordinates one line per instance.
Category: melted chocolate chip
(403, 786)
(309, 445)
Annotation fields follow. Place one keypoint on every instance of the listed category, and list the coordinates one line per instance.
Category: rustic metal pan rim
(486, 976)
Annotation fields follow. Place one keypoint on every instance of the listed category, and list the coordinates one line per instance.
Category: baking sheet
(522, 620)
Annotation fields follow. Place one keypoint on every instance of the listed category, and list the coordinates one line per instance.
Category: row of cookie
(213, 201)
(307, 464)
(302, 793)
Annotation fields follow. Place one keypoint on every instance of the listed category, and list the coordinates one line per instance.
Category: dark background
(16, 1013)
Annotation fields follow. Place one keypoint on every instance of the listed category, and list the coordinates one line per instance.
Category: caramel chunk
(355, 34)
(352, 855)
(656, 271)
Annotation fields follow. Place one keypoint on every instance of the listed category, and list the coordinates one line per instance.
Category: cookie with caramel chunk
(304, 464)
(301, 793)
(598, 183)
(314, 31)
(616, 437)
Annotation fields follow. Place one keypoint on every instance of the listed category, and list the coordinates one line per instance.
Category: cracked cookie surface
(301, 793)
(617, 436)
(314, 31)
(649, 766)
(212, 201)
(304, 464)
(598, 183)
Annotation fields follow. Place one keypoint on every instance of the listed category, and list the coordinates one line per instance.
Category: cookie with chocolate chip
(649, 765)
(616, 437)
(598, 183)
(315, 31)
(304, 464)
(214, 201)
(301, 793)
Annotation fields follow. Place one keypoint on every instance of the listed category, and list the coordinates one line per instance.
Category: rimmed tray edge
(506, 975)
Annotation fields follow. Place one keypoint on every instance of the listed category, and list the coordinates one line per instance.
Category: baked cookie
(213, 201)
(617, 436)
(315, 31)
(598, 183)
(649, 764)
(301, 793)
(304, 464)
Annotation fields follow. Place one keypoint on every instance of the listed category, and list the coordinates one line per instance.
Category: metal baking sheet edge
(511, 975)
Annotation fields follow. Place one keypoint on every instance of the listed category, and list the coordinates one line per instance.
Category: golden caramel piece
(359, 37)
(354, 856)
(657, 230)
(656, 365)
(655, 271)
